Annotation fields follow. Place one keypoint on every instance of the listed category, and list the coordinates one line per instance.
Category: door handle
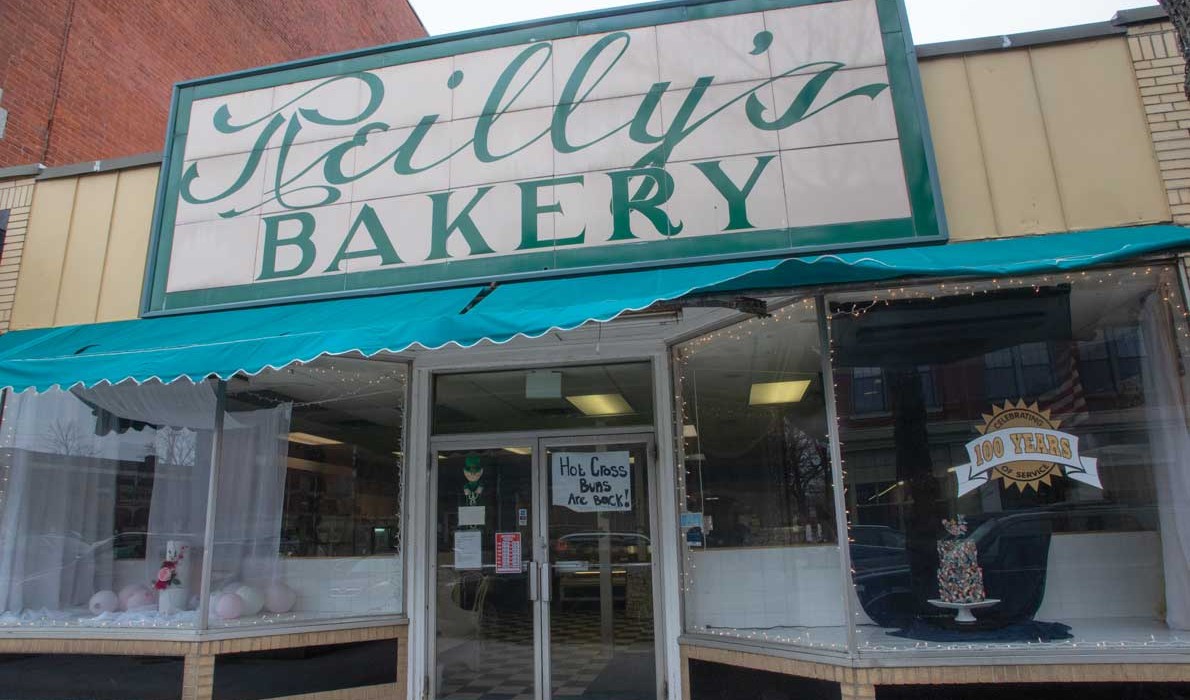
(534, 573)
(547, 590)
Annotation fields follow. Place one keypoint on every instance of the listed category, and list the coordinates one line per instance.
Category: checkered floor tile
(499, 665)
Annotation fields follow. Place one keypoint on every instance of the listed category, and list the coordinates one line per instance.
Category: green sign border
(926, 223)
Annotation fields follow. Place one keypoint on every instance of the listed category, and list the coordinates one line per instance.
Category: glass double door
(543, 571)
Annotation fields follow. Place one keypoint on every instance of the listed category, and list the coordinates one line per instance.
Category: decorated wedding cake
(960, 579)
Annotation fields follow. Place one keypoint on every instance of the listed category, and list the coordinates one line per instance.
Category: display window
(103, 504)
(1013, 468)
(1026, 482)
(759, 523)
(105, 496)
(308, 521)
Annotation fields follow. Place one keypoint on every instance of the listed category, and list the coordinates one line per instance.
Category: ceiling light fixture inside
(772, 393)
(601, 404)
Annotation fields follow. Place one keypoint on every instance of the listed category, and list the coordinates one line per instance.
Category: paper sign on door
(591, 481)
(468, 549)
(508, 552)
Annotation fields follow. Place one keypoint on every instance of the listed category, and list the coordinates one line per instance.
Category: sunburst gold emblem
(1025, 473)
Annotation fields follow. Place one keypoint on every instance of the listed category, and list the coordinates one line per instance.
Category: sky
(930, 20)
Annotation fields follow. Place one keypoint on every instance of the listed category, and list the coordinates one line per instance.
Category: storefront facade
(559, 360)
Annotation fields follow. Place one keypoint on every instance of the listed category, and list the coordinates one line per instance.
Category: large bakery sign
(696, 131)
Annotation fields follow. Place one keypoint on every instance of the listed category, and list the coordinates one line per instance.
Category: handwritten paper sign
(591, 481)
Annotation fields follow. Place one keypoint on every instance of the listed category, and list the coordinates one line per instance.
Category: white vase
(172, 600)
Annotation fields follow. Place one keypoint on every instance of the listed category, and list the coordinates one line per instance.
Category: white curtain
(178, 507)
(1165, 413)
(181, 449)
(250, 497)
(57, 508)
(251, 484)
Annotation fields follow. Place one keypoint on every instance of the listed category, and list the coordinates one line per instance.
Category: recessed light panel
(601, 404)
(772, 393)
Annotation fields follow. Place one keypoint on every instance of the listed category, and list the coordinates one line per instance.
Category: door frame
(641, 437)
(580, 347)
(540, 441)
(430, 554)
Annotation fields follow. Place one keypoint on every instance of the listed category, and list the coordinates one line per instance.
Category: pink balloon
(229, 606)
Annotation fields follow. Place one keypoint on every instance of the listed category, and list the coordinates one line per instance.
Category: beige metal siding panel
(955, 133)
(82, 270)
(1016, 150)
(128, 243)
(45, 248)
(1106, 168)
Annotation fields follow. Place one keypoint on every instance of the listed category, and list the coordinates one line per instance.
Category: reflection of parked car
(877, 536)
(577, 562)
(1013, 552)
(881, 568)
(877, 546)
(624, 546)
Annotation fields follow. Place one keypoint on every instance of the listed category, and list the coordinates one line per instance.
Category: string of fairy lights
(871, 639)
(356, 384)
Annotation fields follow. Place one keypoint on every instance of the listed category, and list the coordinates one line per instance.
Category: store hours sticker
(591, 481)
(508, 552)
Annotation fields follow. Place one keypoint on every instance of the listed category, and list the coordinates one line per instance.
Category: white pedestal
(172, 600)
(963, 610)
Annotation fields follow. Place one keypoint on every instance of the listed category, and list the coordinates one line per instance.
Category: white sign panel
(744, 132)
(472, 515)
(591, 481)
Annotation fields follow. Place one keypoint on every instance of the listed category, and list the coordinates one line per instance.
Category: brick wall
(15, 196)
(90, 79)
(30, 45)
(1160, 73)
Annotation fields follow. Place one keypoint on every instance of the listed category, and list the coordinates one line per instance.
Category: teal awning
(223, 343)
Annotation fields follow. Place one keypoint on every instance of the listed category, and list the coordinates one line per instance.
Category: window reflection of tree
(64, 437)
(175, 446)
(765, 478)
(805, 478)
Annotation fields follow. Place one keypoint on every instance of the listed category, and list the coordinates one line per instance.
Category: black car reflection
(577, 570)
(1013, 552)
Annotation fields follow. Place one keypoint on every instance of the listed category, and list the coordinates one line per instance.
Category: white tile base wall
(1104, 574)
(765, 587)
(1090, 576)
(346, 585)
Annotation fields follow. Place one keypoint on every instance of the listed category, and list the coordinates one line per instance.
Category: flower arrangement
(167, 575)
(957, 527)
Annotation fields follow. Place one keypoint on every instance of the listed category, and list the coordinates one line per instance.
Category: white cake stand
(963, 610)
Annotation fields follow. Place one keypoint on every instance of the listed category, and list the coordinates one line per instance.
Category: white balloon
(103, 602)
(253, 600)
(279, 598)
